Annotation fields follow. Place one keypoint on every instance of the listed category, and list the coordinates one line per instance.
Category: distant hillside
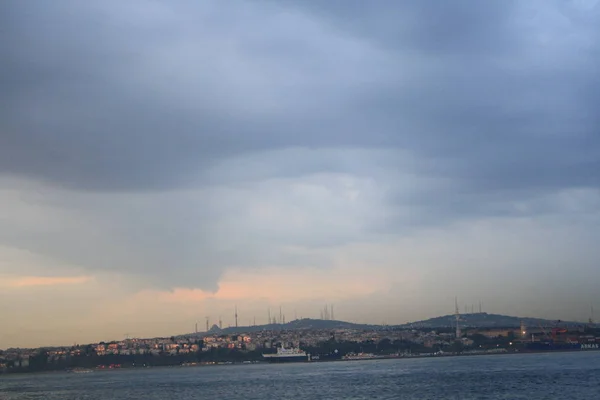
(475, 320)
(305, 323)
(485, 320)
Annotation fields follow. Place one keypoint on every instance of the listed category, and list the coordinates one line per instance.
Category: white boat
(293, 354)
(81, 370)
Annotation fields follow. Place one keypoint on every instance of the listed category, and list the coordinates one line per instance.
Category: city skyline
(537, 325)
(167, 161)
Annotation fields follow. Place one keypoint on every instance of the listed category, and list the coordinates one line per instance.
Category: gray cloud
(453, 110)
(460, 28)
(106, 100)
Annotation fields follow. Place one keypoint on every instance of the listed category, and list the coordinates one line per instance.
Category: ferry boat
(293, 354)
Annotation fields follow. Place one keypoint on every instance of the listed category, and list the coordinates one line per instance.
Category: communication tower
(457, 316)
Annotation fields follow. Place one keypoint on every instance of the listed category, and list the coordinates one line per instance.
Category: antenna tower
(457, 316)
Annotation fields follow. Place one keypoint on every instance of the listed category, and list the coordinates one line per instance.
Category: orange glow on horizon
(29, 281)
(292, 286)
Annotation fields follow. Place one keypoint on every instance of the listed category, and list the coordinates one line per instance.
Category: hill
(299, 324)
(475, 320)
(485, 320)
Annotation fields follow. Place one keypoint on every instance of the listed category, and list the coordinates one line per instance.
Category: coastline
(262, 362)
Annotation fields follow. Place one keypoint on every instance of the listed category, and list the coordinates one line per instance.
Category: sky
(166, 161)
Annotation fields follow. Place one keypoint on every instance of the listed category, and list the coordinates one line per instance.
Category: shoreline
(446, 355)
(374, 358)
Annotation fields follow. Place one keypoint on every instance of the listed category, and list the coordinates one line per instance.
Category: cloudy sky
(163, 161)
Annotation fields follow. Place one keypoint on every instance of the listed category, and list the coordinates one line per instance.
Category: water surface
(531, 376)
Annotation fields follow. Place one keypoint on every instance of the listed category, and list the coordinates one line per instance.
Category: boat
(561, 338)
(285, 355)
(560, 346)
(360, 356)
(81, 370)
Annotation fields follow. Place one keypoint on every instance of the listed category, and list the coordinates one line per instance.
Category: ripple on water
(538, 376)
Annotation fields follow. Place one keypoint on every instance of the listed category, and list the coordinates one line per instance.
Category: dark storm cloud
(498, 96)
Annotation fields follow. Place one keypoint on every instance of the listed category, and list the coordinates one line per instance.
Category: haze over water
(531, 376)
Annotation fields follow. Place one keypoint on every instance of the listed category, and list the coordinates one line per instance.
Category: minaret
(236, 317)
(269, 313)
(331, 314)
(207, 324)
(457, 315)
(220, 323)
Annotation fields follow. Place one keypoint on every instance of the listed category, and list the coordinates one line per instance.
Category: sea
(561, 376)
